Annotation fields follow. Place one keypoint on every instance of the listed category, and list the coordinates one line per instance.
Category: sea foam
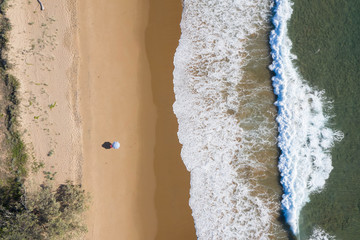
(226, 124)
(305, 138)
(319, 234)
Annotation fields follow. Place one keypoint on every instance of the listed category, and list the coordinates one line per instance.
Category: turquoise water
(326, 36)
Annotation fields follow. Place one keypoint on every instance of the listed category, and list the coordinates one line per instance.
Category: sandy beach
(93, 73)
(140, 191)
(44, 55)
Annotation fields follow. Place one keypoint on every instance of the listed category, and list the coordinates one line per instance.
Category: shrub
(46, 214)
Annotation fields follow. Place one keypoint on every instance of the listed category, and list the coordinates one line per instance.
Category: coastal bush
(5, 27)
(3, 6)
(46, 214)
(12, 85)
(17, 154)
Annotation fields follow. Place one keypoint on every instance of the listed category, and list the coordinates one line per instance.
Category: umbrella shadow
(106, 145)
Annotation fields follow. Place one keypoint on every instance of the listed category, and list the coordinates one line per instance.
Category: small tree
(46, 214)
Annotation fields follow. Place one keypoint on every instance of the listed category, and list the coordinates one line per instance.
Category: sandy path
(141, 190)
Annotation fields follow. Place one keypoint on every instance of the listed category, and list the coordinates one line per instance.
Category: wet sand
(141, 190)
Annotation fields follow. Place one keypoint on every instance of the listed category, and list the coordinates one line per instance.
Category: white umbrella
(115, 145)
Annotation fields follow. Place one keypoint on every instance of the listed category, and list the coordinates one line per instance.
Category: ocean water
(259, 122)
(326, 36)
(306, 135)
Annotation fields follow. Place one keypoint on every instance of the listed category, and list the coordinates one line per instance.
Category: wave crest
(305, 138)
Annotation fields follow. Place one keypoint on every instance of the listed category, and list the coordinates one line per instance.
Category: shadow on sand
(106, 145)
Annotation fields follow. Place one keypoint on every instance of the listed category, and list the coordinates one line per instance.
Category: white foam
(221, 152)
(320, 234)
(304, 135)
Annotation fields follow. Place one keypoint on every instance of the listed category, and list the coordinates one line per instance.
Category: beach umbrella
(115, 145)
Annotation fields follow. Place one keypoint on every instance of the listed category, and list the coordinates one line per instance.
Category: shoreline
(140, 191)
(172, 179)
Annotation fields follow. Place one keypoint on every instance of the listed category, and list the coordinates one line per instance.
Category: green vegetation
(36, 166)
(49, 175)
(49, 213)
(18, 156)
(51, 106)
(51, 152)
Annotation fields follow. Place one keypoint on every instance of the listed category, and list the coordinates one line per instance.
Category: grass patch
(36, 166)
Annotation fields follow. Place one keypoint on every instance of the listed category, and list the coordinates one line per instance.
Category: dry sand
(44, 55)
(140, 191)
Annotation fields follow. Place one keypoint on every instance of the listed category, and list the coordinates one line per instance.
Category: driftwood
(41, 5)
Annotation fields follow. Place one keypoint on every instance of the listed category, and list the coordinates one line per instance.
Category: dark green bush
(47, 214)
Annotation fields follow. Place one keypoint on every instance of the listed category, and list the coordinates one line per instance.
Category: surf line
(304, 138)
(280, 17)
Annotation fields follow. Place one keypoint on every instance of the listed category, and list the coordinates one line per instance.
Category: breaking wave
(305, 138)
